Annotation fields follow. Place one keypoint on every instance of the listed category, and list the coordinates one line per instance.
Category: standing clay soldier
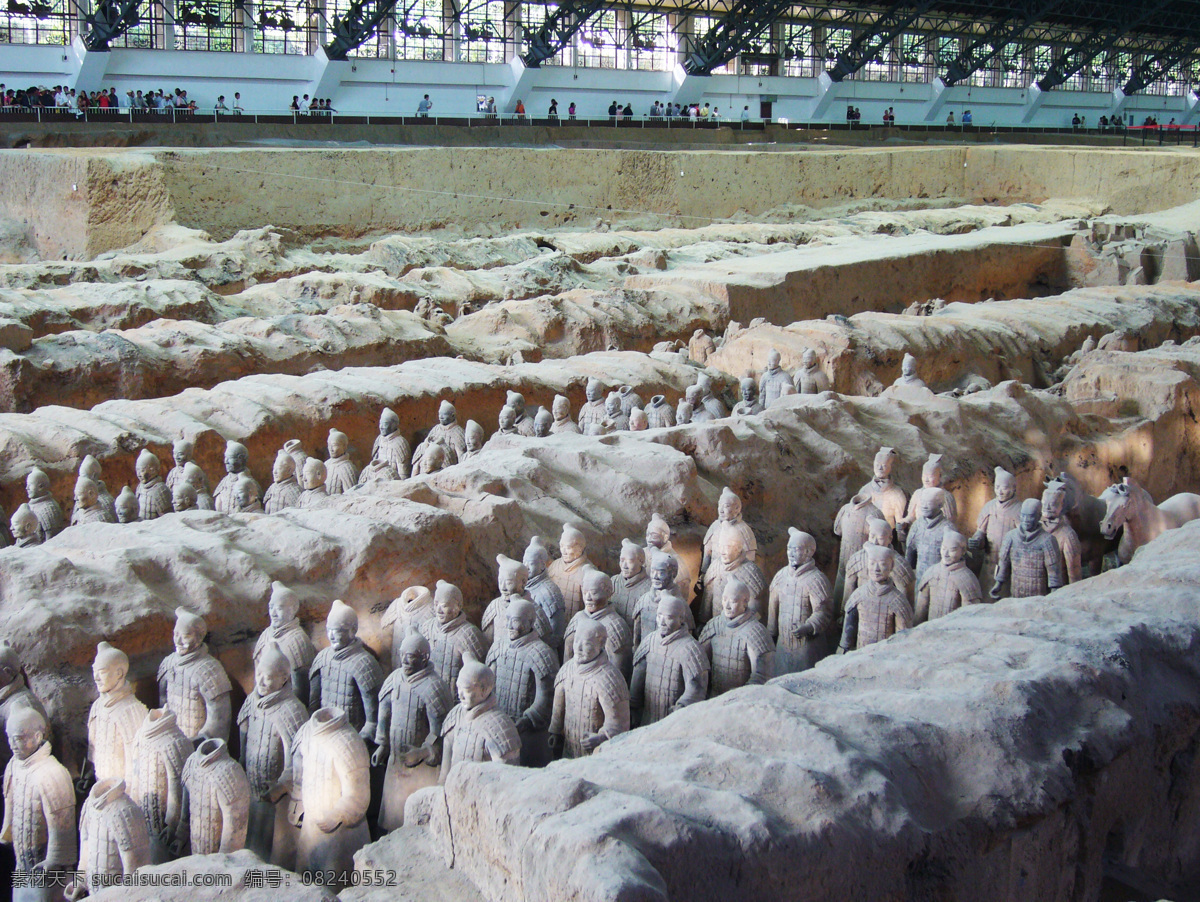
(237, 459)
(194, 476)
(88, 508)
(733, 563)
(522, 421)
(285, 629)
(345, 674)
(618, 420)
(511, 579)
(295, 450)
(432, 459)
(851, 526)
(884, 493)
(659, 414)
(129, 506)
(413, 704)
(113, 839)
(998, 517)
(285, 490)
(561, 410)
(670, 670)
(709, 401)
(14, 691)
(633, 582)
(267, 725)
(949, 585)
(114, 717)
(1029, 557)
(183, 497)
(543, 423)
(810, 379)
(405, 615)
(451, 636)
(182, 453)
(750, 403)
(592, 413)
(39, 800)
(155, 781)
(591, 698)
(216, 795)
(774, 382)
(313, 478)
(908, 374)
(931, 481)
(192, 683)
(629, 399)
(544, 591)
(476, 729)
(245, 496)
(597, 595)
(26, 530)
(684, 411)
(924, 544)
(664, 569)
(877, 609)
(800, 611)
(506, 422)
(658, 538)
(390, 445)
(700, 345)
(879, 534)
(90, 467)
(567, 571)
(340, 473)
(446, 433)
(50, 516)
(738, 647)
(475, 438)
(729, 517)
(1055, 524)
(525, 667)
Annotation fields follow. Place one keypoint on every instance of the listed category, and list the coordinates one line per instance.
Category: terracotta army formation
(658, 538)
(237, 460)
(128, 506)
(115, 716)
(664, 583)
(51, 520)
(183, 452)
(733, 563)
(267, 723)
(476, 729)
(883, 491)
(618, 420)
(525, 667)
(810, 378)
(154, 498)
(285, 491)
(591, 697)
(700, 346)
(390, 446)
(1055, 524)
(313, 482)
(560, 409)
(217, 797)
(405, 615)
(597, 606)
(593, 412)
(924, 543)
(931, 481)
(192, 684)
(413, 704)
(544, 591)
(446, 433)
(948, 585)
(729, 517)
(330, 782)
(670, 670)
(879, 534)
(522, 421)
(877, 609)
(738, 646)
(633, 581)
(774, 383)
(113, 839)
(750, 404)
(1030, 562)
(26, 530)
(194, 476)
(998, 517)
(90, 467)
(659, 414)
(155, 781)
(344, 674)
(451, 636)
(567, 571)
(341, 475)
(800, 609)
(88, 508)
(511, 579)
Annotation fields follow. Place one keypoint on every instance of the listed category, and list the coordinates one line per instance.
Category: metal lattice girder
(883, 31)
(733, 34)
(356, 26)
(1158, 64)
(558, 29)
(110, 20)
(1003, 33)
(1097, 42)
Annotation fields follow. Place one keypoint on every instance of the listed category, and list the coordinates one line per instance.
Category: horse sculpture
(1130, 509)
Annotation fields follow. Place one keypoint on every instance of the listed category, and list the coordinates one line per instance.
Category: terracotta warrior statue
(285, 490)
(451, 636)
(14, 691)
(543, 423)
(413, 705)
(525, 667)
(998, 517)
(113, 840)
(153, 496)
(1029, 557)
(750, 404)
(658, 538)
(183, 452)
(446, 433)
(267, 725)
(729, 517)
(194, 476)
(561, 410)
(390, 445)
(313, 482)
(629, 399)
(684, 410)
(283, 609)
(340, 473)
(544, 591)
(567, 571)
(506, 421)
(949, 585)
(775, 383)
(732, 563)
(909, 384)
(49, 515)
(192, 683)
(931, 481)
(664, 571)
(810, 379)
(638, 421)
(511, 579)
(593, 411)
(90, 467)
(345, 674)
(877, 609)
(924, 544)
(26, 530)
(633, 582)
(700, 345)
(670, 670)
(597, 606)
(800, 610)
(237, 461)
(617, 418)
(405, 615)
(245, 496)
(295, 448)
(115, 716)
(155, 781)
(738, 647)
(659, 414)
(88, 508)
(591, 698)
(39, 798)
(522, 421)
(476, 729)
(1055, 524)
(879, 534)
(128, 506)
(216, 795)
(709, 401)
(474, 437)
(884, 493)
(183, 497)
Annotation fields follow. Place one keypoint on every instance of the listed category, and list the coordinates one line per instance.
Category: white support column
(939, 93)
(86, 68)
(522, 79)
(326, 75)
(687, 89)
(827, 92)
(1034, 98)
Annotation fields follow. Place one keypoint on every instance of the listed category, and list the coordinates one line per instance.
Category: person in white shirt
(237, 102)
(745, 114)
(305, 104)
